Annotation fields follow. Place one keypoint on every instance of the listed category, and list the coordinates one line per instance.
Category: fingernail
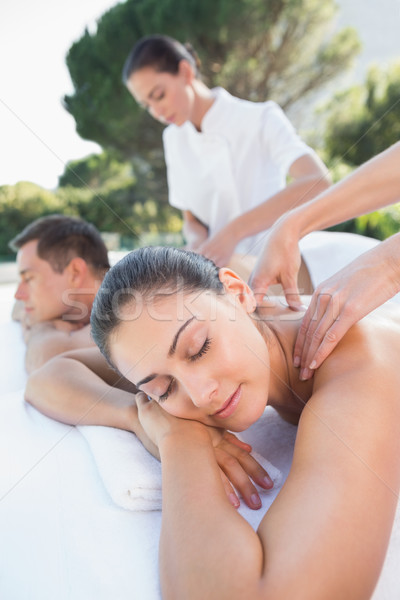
(255, 499)
(268, 482)
(296, 361)
(304, 374)
(313, 365)
(234, 500)
(298, 306)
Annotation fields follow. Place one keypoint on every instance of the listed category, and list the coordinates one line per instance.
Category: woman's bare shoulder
(373, 343)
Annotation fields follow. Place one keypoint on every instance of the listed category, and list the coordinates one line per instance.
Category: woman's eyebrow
(171, 351)
(145, 380)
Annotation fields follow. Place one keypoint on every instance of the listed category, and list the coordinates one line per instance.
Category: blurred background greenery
(257, 49)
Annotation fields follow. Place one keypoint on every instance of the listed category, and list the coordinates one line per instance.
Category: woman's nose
(157, 112)
(202, 392)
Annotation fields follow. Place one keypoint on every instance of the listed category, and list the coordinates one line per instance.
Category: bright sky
(37, 135)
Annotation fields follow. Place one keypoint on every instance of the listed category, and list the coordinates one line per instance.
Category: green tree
(95, 170)
(116, 196)
(259, 49)
(19, 205)
(365, 119)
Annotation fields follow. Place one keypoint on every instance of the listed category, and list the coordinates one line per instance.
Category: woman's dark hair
(142, 276)
(160, 52)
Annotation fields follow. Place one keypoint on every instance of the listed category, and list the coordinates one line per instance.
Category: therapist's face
(168, 98)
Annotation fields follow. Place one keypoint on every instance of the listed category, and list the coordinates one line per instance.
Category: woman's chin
(244, 423)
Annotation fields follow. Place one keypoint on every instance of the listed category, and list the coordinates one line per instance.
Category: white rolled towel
(131, 475)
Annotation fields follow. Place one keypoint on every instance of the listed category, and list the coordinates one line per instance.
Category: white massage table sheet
(61, 534)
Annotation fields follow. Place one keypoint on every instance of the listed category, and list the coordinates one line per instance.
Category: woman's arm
(326, 534)
(194, 232)
(310, 177)
(370, 187)
(345, 298)
(79, 388)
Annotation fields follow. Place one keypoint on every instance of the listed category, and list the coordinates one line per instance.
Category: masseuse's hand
(279, 262)
(220, 247)
(236, 464)
(341, 301)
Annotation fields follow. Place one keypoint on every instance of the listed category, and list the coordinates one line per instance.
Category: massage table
(64, 535)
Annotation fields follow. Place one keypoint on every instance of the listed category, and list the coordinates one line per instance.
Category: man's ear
(186, 70)
(77, 270)
(238, 288)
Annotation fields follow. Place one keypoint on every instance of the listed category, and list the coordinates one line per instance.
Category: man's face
(42, 290)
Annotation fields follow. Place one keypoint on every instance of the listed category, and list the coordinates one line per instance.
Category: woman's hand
(220, 246)
(279, 262)
(157, 423)
(237, 466)
(344, 299)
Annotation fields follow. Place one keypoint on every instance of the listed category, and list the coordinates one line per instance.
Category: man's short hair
(61, 238)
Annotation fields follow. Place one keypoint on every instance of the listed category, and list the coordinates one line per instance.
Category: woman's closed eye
(159, 96)
(165, 395)
(205, 347)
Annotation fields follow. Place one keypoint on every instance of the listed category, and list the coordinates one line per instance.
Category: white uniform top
(239, 159)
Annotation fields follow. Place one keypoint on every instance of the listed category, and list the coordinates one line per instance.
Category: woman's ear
(186, 70)
(238, 288)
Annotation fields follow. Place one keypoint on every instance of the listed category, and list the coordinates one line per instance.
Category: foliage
(259, 49)
(110, 198)
(365, 119)
(19, 205)
(95, 170)
(380, 224)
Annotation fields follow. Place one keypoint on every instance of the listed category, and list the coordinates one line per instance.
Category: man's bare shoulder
(82, 337)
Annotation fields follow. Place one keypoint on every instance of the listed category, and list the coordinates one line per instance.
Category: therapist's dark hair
(162, 53)
(145, 275)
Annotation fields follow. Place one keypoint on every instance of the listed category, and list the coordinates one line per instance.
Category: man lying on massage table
(62, 262)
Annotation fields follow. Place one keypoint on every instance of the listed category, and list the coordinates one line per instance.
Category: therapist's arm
(344, 299)
(310, 177)
(194, 232)
(370, 187)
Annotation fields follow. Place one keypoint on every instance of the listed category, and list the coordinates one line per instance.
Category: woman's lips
(230, 405)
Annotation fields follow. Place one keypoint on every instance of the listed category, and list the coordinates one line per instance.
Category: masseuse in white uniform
(228, 160)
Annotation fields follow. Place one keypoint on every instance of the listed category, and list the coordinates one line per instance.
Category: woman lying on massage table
(208, 356)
